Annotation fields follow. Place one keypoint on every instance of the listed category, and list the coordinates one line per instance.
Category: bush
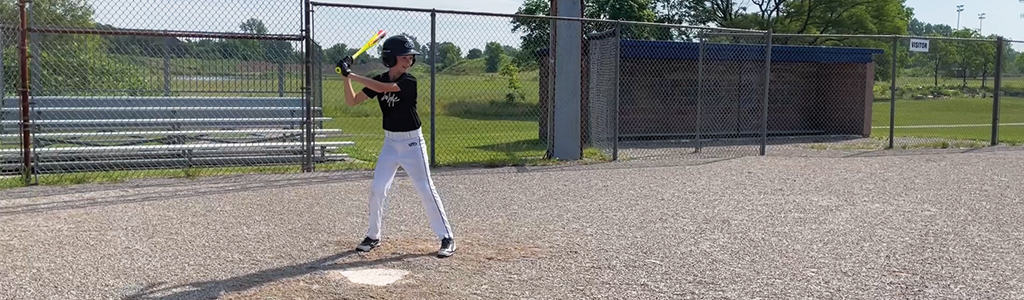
(515, 87)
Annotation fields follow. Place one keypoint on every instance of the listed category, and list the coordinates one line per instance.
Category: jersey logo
(390, 99)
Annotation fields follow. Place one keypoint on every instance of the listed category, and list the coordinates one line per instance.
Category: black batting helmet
(397, 46)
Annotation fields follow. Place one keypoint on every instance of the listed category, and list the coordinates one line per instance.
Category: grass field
(474, 124)
(970, 117)
(931, 117)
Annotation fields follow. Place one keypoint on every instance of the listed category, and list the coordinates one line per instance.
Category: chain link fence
(117, 93)
(658, 91)
(114, 96)
(829, 94)
(11, 149)
(945, 96)
(342, 31)
(1010, 130)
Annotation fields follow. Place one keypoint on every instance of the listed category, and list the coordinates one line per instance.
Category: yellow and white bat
(373, 41)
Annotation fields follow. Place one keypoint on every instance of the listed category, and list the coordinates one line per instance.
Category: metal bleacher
(100, 133)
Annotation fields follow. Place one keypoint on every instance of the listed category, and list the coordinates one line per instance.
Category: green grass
(952, 111)
(475, 125)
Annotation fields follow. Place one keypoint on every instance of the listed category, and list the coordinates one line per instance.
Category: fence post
(26, 137)
(433, 87)
(892, 92)
(995, 90)
(167, 66)
(764, 104)
(700, 90)
(307, 159)
(3, 81)
(280, 77)
(618, 87)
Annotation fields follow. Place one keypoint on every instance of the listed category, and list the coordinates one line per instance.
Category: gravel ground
(937, 225)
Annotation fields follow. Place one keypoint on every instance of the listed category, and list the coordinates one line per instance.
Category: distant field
(934, 114)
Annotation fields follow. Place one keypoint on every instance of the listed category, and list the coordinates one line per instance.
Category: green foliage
(448, 54)
(536, 32)
(11, 80)
(66, 62)
(89, 71)
(474, 53)
(515, 87)
(793, 16)
(1020, 63)
(494, 52)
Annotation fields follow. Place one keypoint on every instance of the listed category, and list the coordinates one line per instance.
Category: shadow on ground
(164, 192)
(217, 288)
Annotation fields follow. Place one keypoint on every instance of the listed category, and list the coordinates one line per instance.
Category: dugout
(813, 91)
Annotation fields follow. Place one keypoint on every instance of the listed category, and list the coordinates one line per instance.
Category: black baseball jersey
(399, 108)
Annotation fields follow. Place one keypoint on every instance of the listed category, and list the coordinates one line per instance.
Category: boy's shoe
(367, 244)
(447, 248)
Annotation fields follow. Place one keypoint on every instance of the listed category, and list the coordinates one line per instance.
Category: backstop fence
(122, 94)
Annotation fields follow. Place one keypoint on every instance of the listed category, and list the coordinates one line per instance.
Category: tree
(336, 52)
(793, 16)
(254, 26)
(510, 50)
(536, 32)
(70, 63)
(493, 52)
(918, 28)
(515, 88)
(940, 55)
(1020, 63)
(448, 54)
(474, 54)
(249, 49)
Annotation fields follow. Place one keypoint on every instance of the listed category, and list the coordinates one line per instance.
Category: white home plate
(378, 277)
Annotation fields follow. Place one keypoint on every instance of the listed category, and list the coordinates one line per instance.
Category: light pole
(981, 20)
(960, 8)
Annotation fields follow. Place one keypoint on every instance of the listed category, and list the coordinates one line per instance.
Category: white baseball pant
(406, 150)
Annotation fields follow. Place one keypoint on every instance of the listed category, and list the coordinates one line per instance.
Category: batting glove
(345, 66)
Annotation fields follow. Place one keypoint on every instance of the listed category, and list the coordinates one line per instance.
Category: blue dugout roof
(691, 51)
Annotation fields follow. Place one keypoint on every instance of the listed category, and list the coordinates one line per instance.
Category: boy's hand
(345, 66)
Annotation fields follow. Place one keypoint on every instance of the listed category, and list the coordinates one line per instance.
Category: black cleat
(447, 248)
(367, 244)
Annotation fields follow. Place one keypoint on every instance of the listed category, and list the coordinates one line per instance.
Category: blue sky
(353, 27)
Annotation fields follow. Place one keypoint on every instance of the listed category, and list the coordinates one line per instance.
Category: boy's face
(404, 62)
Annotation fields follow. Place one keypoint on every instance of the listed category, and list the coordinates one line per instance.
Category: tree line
(848, 17)
(959, 59)
(448, 54)
(89, 61)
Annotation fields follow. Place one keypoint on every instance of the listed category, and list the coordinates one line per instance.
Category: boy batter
(403, 139)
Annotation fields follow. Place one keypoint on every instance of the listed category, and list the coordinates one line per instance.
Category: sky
(1002, 17)
(355, 26)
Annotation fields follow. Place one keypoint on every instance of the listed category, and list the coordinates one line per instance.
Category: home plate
(378, 277)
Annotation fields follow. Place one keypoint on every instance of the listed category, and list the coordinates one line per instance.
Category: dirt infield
(925, 226)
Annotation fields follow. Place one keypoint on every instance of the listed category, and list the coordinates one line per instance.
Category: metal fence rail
(207, 95)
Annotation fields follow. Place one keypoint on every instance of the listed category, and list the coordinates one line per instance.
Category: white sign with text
(918, 45)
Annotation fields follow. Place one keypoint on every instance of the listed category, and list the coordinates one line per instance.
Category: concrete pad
(377, 277)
